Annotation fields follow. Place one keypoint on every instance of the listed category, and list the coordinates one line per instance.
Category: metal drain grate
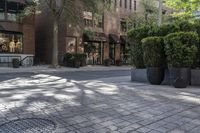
(30, 125)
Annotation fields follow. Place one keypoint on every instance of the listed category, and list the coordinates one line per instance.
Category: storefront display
(10, 43)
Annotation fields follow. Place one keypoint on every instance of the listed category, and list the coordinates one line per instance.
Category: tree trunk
(55, 44)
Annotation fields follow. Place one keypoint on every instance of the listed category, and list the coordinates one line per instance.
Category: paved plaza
(96, 102)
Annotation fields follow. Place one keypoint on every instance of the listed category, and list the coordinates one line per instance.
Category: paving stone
(108, 105)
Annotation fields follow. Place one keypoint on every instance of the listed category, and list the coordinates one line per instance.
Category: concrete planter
(195, 77)
(139, 75)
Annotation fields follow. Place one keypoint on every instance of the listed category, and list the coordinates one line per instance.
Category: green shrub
(166, 29)
(186, 26)
(71, 59)
(181, 49)
(153, 52)
(134, 37)
(15, 63)
(197, 26)
(107, 62)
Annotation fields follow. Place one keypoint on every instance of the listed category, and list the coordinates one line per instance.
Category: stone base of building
(26, 60)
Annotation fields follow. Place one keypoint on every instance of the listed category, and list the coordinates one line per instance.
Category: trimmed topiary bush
(181, 49)
(154, 59)
(135, 36)
(153, 51)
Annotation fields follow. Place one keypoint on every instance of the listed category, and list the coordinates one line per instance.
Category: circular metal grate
(30, 125)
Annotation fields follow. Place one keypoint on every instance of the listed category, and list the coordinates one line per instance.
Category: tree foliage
(184, 8)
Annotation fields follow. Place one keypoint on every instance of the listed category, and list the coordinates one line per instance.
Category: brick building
(108, 34)
(17, 35)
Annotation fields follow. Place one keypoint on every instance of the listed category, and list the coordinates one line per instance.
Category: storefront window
(2, 16)
(12, 16)
(11, 43)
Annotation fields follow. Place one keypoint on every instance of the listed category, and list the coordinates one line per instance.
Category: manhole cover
(30, 125)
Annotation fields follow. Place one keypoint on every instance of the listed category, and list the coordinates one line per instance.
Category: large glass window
(10, 10)
(2, 16)
(2, 9)
(123, 25)
(11, 43)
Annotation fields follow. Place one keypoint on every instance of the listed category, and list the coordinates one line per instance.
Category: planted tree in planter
(135, 36)
(181, 50)
(136, 53)
(154, 59)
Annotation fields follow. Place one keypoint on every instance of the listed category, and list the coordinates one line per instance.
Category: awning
(123, 39)
(113, 38)
(98, 37)
(18, 1)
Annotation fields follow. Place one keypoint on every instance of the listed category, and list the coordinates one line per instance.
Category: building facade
(17, 35)
(102, 36)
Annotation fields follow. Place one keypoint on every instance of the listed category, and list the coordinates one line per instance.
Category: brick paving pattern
(109, 105)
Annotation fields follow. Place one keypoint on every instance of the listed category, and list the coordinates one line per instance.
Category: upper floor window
(130, 6)
(10, 10)
(91, 20)
(125, 3)
(88, 19)
(120, 4)
(123, 25)
(135, 5)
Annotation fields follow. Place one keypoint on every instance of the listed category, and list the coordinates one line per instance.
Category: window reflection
(2, 16)
(10, 43)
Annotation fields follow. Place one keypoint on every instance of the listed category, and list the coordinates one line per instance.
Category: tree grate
(28, 125)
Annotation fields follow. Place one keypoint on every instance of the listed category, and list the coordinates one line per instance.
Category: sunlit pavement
(100, 105)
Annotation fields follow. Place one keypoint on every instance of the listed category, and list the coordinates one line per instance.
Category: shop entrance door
(94, 53)
(112, 53)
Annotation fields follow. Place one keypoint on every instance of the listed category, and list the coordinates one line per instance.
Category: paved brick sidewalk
(110, 105)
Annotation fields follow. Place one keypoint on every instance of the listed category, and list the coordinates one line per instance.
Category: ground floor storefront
(102, 47)
(17, 41)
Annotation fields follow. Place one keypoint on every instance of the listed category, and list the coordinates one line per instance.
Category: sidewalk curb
(59, 70)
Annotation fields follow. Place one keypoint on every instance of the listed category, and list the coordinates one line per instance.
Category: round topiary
(153, 51)
(181, 49)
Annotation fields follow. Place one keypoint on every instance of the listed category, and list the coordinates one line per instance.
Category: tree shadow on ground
(93, 105)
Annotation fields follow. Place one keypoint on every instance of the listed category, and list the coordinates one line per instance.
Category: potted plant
(118, 63)
(138, 72)
(15, 63)
(181, 50)
(154, 59)
(107, 62)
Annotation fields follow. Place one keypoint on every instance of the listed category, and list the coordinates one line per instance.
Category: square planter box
(195, 77)
(140, 75)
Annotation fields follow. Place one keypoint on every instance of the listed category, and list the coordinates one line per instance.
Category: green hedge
(181, 49)
(166, 29)
(153, 51)
(70, 59)
(135, 36)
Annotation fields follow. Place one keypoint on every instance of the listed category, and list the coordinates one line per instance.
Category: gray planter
(166, 80)
(195, 77)
(139, 75)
